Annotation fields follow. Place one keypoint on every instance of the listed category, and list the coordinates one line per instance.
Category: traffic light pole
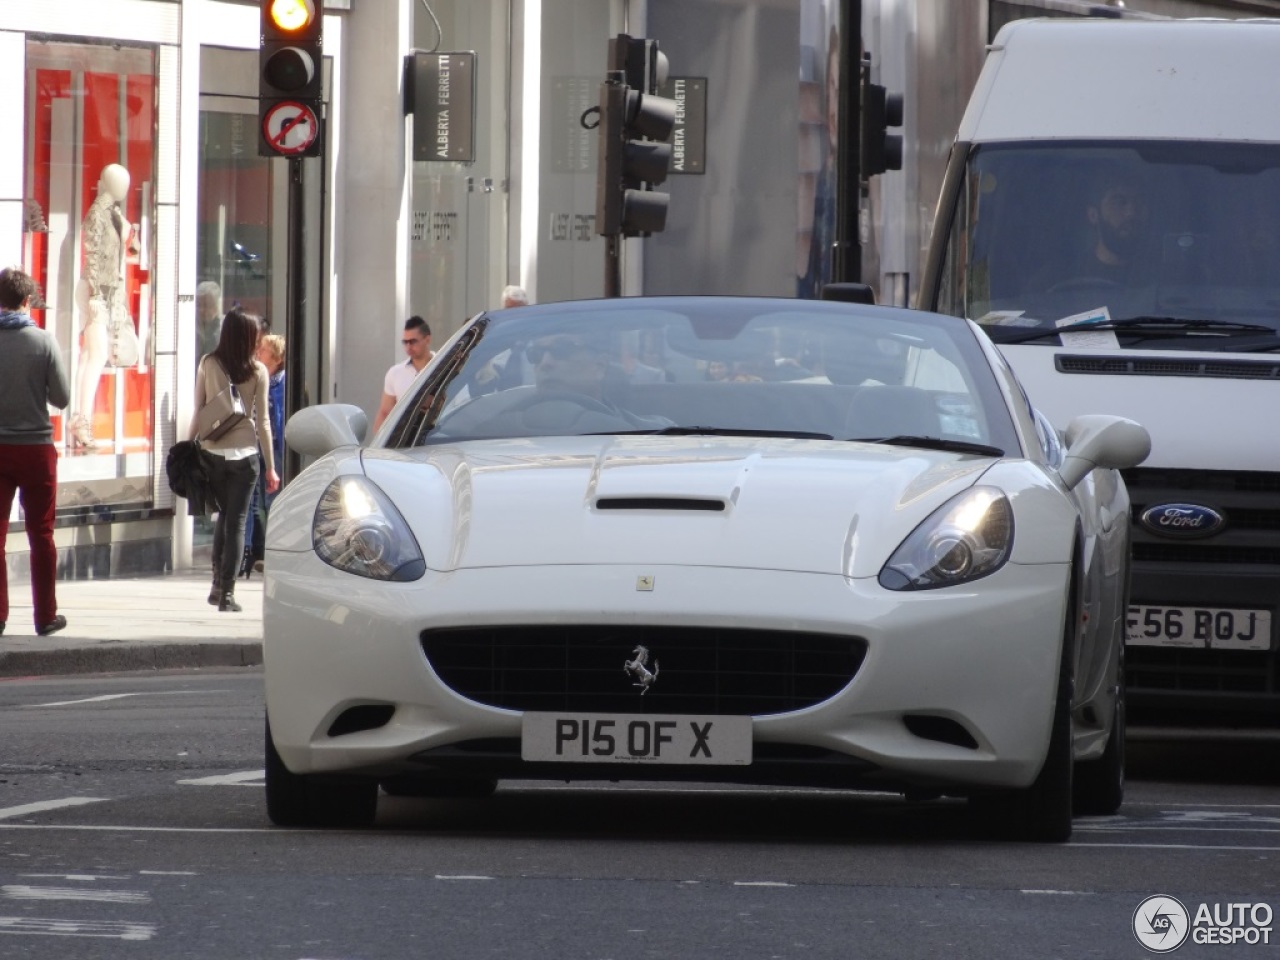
(295, 314)
(613, 266)
(847, 265)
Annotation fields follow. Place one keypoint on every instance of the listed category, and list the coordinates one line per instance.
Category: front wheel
(308, 800)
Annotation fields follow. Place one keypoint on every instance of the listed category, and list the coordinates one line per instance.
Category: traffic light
(289, 77)
(881, 150)
(635, 127)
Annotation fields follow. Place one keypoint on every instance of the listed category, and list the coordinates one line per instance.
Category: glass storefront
(88, 240)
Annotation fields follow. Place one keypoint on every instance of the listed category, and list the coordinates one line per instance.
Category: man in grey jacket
(32, 378)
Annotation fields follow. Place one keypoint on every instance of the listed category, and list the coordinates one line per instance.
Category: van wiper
(1148, 325)
(1192, 326)
(714, 432)
(936, 443)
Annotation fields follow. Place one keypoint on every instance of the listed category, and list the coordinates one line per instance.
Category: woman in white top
(234, 462)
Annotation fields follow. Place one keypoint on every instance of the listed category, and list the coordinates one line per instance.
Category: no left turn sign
(290, 128)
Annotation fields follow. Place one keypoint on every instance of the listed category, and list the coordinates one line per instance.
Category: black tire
(1042, 812)
(298, 800)
(1044, 809)
(414, 786)
(1099, 784)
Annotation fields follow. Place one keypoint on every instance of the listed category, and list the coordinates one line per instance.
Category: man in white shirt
(417, 346)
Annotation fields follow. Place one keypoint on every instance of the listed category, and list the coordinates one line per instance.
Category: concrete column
(371, 223)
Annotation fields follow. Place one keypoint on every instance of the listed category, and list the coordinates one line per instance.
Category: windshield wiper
(935, 443)
(713, 432)
(1150, 325)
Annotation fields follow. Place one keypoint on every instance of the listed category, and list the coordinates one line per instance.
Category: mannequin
(100, 293)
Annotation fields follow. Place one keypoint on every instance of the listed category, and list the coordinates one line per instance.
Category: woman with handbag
(231, 425)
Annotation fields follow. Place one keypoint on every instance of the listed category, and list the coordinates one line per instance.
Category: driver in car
(575, 369)
(568, 362)
(1118, 214)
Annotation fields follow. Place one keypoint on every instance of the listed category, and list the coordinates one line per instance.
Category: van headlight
(968, 537)
(358, 530)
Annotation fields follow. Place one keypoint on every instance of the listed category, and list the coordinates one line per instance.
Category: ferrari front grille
(594, 668)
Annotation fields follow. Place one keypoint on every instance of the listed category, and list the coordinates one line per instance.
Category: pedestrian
(417, 344)
(271, 355)
(513, 296)
(234, 465)
(32, 378)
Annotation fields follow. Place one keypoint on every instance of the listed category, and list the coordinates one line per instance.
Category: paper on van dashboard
(1089, 339)
(1006, 318)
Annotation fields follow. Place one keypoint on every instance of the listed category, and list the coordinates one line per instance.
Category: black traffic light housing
(290, 57)
(880, 110)
(635, 127)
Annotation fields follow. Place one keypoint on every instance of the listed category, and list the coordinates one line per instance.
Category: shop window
(88, 241)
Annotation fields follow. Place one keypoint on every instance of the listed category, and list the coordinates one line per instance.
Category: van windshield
(1157, 242)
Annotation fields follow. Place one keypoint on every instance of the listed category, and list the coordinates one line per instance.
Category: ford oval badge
(1182, 520)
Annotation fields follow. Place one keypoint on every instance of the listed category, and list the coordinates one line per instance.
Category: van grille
(700, 670)
(1250, 500)
(1203, 671)
(1168, 367)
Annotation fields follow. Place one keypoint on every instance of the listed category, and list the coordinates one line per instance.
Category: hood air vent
(660, 503)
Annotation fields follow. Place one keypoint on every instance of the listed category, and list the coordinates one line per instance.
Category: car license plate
(628, 738)
(1199, 627)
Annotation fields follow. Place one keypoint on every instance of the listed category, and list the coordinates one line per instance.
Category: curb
(124, 659)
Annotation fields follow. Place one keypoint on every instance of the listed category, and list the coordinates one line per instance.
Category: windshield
(1173, 245)
(710, 365)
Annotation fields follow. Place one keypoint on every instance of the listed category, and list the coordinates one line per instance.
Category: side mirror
(314, 431)
(1096, 440)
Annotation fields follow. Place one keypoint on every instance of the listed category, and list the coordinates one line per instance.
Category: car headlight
(358, 530)
(968, 537)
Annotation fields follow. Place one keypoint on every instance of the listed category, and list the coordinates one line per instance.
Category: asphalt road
(132, 825)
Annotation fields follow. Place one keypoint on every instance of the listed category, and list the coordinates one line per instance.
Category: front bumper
(983, 657)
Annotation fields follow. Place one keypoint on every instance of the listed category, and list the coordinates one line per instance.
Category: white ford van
(1111, 216)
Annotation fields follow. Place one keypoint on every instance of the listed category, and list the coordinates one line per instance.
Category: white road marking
(16, 891)
(168, 873)
(69, 703)
(461, 876)
(117, 696)
(124, 828)
(1172, 846)
(761, 883)
(249, 778)
(87, 877)
(112, 929)
(44, 805)
(1061, 893)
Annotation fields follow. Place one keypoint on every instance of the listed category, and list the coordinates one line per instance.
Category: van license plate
(629, 738)
(1199, 627)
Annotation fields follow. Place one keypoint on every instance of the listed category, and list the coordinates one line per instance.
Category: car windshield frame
(792, 370)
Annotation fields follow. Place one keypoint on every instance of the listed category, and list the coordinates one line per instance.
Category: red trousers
(31, 469)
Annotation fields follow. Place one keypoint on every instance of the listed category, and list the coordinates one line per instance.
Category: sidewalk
(149, 623)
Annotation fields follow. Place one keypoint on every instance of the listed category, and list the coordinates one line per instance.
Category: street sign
(290, 128)
(689, 140)
(440, 92)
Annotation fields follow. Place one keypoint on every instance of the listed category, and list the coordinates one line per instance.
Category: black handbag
(221, 412)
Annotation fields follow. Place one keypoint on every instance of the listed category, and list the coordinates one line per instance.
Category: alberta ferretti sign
(440, 93)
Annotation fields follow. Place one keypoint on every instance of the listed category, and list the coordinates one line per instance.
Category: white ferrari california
(724, 539)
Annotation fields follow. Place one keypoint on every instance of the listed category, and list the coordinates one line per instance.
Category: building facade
(140, 163)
